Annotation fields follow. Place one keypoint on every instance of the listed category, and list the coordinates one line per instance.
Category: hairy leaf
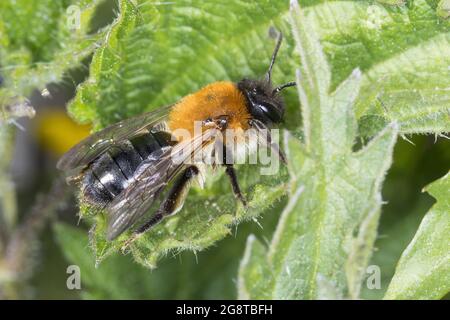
(423, 271)
(139, 69)
(326, 232)
(39, 41)
(404, 53)
(381, 40)
(158, 53)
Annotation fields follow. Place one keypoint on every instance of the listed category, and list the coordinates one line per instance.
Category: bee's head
(263, 100)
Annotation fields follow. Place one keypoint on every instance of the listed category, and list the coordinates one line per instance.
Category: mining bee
(125, 167)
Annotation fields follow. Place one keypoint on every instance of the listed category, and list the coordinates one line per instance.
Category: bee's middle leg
(227, 162)
(231, 173)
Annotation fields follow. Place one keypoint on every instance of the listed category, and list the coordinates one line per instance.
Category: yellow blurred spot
(57, 132)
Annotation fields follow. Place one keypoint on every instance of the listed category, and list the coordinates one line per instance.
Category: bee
(125, 167)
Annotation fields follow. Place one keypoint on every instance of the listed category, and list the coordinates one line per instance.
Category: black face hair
(263, 101)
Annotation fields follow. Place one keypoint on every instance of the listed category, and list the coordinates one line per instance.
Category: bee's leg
(174, 200)
(171, 204)
(227, 162)
(231, 173)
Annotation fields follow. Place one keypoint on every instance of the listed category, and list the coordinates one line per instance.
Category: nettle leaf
(156, 54)
(207, 217)
(402, 50)
(40, 41)
(423, 271)
(160, 52)
(325, 235)
(404, 53)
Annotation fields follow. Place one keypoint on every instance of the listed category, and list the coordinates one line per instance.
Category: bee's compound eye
(267, 112)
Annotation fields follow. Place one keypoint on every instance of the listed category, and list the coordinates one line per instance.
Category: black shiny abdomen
(109, 174)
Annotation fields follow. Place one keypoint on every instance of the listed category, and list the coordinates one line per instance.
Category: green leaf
(380, 40)
(423, 271)
(139, 69)
(207, 217)
(40, 41)
(414, 166)
(394, 233)
(404, 53)
(325, 235)
(158, 53)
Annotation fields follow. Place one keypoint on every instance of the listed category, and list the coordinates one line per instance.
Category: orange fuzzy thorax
(212, 101)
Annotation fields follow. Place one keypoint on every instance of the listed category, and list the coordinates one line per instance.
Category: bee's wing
(150, 179)
(93, 146)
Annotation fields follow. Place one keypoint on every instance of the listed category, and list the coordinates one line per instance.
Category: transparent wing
(150, 179)
(93, 146)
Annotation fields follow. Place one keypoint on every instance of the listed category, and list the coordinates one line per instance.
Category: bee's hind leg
(174, 200)
(171, 204)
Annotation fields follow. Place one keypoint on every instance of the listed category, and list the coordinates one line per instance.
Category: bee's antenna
(286, 85)
(274, 56)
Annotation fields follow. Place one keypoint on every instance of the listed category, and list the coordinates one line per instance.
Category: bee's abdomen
(111, 173)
